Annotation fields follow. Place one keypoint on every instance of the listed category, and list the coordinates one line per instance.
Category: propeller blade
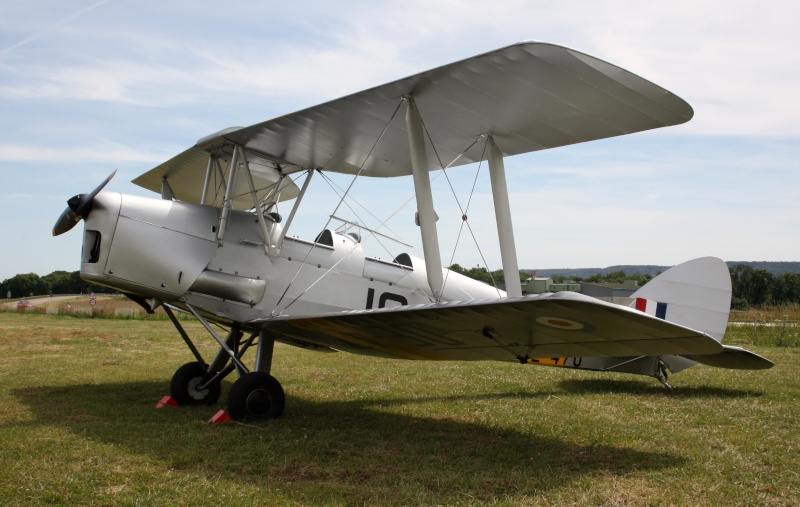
(65, 222)
(78, 207)
(90, 197)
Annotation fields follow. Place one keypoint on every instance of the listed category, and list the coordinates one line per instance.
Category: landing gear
(662, 373)
(190, 387)
(256, 396)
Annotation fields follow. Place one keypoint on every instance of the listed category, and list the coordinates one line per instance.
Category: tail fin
(697, 294)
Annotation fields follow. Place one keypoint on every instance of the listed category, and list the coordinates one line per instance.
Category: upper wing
(529, 96)
(565, 324)
(186, 175)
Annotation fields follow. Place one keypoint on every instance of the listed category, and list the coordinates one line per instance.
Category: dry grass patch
(79, 428)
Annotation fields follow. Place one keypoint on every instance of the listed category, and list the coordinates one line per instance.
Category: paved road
(43, 300)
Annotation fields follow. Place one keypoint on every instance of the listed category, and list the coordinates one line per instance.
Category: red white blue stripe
(653, 308)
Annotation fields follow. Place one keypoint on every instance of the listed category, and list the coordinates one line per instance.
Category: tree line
(57, 282)
(758, 287)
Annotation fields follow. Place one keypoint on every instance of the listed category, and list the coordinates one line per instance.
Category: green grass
(78, 427)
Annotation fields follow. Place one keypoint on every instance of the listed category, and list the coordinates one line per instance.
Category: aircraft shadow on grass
(606, 385)
(337, 445)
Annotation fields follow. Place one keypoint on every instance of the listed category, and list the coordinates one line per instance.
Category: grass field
(78, 427)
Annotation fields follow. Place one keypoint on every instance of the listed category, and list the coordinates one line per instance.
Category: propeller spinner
(78, 208)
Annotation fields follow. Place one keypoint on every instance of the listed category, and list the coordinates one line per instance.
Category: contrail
(45, 31)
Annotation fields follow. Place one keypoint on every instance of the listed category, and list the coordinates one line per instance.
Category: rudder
(695, 294)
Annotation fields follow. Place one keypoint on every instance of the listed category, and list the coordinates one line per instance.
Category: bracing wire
(385, 248)
(352, 182)
(463, 211)
(463, 221)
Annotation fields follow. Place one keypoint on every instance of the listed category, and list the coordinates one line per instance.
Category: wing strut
(212, 159)
(226, 201)
(297, 202)
(256, 205)
(422, 189)
(502, 213)
(166, 190)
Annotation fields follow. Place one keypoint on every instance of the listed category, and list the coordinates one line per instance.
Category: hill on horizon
(776, 268)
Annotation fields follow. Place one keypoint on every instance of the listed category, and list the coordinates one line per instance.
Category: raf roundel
(560, 323)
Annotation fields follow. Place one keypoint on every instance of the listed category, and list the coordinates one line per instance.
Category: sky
(87, 87)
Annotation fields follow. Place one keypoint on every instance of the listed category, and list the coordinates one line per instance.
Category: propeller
(78, 207)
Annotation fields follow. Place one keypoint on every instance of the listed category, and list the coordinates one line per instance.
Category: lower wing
(564, 324)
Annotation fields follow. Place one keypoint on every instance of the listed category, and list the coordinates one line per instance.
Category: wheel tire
(256, 396)
(182, 388)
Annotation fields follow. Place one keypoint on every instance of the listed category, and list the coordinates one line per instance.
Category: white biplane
(214, 246)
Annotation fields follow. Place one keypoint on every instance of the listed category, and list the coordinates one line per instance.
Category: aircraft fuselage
(170, 251)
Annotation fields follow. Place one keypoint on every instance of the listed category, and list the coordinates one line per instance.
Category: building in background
(618, 293)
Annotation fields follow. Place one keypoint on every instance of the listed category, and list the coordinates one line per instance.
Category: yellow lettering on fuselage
(549, 361)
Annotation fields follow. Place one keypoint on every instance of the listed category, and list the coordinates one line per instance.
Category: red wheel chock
(220, 417)
(167, 401)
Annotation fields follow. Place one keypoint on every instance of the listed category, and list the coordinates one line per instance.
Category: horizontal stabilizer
(735, 358)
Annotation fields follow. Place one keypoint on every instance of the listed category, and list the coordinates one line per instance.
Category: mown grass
(78, 427)
(80, 306)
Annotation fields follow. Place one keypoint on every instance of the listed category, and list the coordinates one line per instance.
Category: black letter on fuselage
(388, 296)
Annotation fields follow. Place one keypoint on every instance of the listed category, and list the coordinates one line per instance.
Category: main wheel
(183, 387)
(256, 396)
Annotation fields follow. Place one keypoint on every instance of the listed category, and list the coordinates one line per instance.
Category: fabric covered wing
(186, 173)
(564, 324)
(529, 96)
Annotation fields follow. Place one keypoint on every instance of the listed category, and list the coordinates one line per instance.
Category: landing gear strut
(255, 395)
(662, 373)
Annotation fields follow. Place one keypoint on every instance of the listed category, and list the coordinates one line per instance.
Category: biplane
(214, 245)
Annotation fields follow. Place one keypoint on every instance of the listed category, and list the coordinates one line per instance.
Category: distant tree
(78, 285)
(482, 274)
(60, 282)
(57, 282)
(457, 268)
(739, 304)
(616, 277)
(754, 286)
(786, 289)
(25, 285)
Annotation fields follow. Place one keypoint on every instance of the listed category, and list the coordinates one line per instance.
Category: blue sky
(88, 87)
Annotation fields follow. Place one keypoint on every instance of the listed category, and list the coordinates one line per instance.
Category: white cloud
(42, 31)
(106, 153)
(121, 83)
(731, 62)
